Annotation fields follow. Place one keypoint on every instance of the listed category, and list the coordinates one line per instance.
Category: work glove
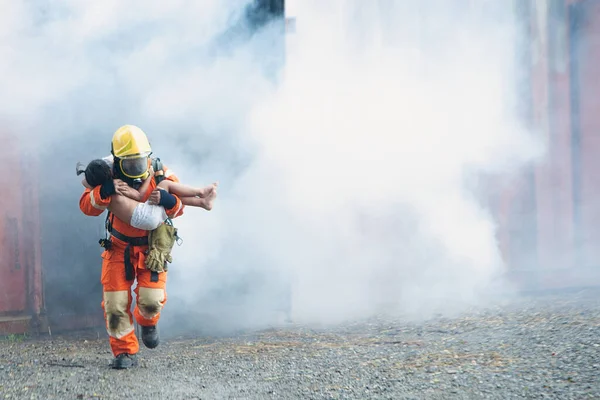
(160, 244)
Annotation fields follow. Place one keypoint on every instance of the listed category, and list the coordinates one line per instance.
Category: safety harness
(106, 243)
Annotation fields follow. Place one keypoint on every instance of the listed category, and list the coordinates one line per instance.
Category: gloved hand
(160, 244)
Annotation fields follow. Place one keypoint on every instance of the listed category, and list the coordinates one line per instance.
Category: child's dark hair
(97, 172)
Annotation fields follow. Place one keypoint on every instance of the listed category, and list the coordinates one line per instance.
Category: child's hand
(120, 186)
(125, 190)
(154, 197)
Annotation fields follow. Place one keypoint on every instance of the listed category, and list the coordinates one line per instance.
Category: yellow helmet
(129, 140)
(131, 150)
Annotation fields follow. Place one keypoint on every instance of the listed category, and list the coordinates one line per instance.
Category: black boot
(150, 336)
(124, 361)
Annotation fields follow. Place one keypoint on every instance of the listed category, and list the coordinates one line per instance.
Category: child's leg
(203, 202)
(182, 190)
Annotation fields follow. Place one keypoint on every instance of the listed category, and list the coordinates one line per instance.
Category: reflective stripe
(178, 209)
(169, 173)
(94, 204)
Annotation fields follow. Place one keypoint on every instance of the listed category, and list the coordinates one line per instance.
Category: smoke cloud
(350, 178)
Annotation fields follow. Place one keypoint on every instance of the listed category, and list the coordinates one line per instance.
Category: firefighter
(123, 258)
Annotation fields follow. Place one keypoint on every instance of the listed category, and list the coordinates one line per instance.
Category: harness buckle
(105, 243)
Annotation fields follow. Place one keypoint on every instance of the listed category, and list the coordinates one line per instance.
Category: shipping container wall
(551, 120)
(584, 32)
(21, 292)
(564, 219)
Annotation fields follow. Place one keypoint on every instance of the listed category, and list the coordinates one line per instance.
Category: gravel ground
(542, 347)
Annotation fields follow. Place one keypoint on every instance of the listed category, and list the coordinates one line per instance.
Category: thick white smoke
(357, 194)
(342, 181)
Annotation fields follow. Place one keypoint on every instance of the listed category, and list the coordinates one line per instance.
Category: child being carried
(127, 205)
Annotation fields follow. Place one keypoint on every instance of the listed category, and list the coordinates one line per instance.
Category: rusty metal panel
(517, 203)
(32, 255)
(13, 285)
(14, 324)
(556, 189)
(556, 179)
(585, 101)
(21, 290)
(560, 136)
(540, 120)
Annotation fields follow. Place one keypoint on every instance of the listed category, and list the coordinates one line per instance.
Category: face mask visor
(134, 167)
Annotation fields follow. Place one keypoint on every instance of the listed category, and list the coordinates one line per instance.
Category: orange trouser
(117, 298)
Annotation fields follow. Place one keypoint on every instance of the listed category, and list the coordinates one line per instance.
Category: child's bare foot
(208, 190)
(210, 198)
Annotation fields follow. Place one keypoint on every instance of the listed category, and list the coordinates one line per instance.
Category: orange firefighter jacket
(92, 204)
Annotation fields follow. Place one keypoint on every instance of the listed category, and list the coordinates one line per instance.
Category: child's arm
(146, 184)
(138, 194)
